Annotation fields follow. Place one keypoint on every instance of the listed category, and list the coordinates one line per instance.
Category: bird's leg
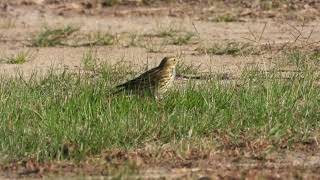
(158, 96)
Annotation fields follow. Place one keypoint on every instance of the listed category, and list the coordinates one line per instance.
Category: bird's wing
(147, 78)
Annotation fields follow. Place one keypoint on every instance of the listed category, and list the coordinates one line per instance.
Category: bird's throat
(173, 72)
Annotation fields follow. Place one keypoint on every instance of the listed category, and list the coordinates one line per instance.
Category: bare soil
(254, 160)
(20, 20)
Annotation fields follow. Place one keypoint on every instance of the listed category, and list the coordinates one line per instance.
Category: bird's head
(169, 62)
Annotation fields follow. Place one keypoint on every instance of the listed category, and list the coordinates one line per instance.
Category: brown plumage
(153, 82)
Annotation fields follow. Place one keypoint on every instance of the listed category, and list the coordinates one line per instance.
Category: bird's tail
(117, 90)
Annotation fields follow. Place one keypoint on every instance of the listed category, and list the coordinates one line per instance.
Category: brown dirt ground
(254, 160)
(19, 20)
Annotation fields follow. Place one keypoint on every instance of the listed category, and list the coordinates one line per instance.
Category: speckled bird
(154, 82)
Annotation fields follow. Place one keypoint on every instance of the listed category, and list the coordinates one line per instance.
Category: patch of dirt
(261, 161)
(202, 9)
(15, 38)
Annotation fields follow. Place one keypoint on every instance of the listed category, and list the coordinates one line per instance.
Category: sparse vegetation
(224, 18)
(100, 39)
(164, 32)
(185, 69)
(316, 56)
(62, 37)
(182, 39)
(153, 48)
(89, 60)
(19, 58)
(49, 37)
(176, 36)
(134, 40)
(230, 48)
(110, 2)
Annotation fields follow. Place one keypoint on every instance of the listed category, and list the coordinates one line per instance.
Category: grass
(185, 69)
(110, 2)
(50, 37)
(316, 55)
(67, 36)
(230, 48)
(297, 58)
(227, 17)
(20, 58)
(134, 40)
(155, 43)
(182, 39)
(167, 31)
(42, 117)
(175, 36)
(89, 60)
(100, 39)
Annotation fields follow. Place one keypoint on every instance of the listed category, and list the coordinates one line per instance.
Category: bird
(154, 82)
